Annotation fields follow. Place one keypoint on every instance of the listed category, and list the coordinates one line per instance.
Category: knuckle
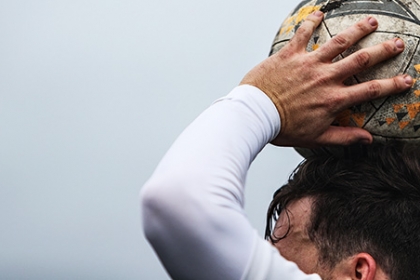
(396, 83)
(335, 101)
(304, 29)
(333, 104)
(323, 80)
(362, 59)
(363, 26)
(342, 42)
(389, 48)
(374, 90)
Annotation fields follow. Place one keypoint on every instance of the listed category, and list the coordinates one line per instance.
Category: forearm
(193, 204)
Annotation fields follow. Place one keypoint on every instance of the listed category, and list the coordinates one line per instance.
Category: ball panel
(292, 22)
(395, 117)
(407, 11)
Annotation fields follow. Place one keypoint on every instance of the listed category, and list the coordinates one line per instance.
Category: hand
(307, 88)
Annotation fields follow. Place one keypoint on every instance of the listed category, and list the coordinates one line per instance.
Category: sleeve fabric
(193, 205)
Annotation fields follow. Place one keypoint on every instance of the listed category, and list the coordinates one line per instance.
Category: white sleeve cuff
(253, 94)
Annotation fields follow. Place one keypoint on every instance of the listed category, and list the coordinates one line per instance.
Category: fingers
(338, 135)
(305, 31)
(363, 92)
(345, 39)
(368, 57)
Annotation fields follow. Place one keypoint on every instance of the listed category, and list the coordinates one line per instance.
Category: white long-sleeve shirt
(193, 205)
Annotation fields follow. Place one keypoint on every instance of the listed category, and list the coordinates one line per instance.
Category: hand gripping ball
(391, 118)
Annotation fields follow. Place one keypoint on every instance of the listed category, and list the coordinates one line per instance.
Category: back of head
(366, 203)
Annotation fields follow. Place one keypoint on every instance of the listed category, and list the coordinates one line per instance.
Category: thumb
(338, 135)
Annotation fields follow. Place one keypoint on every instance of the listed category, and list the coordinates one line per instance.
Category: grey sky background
(92, 94)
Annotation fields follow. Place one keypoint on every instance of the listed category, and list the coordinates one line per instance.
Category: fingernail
(399, 43)
(408, 80)
(373, 21)
(318, 13)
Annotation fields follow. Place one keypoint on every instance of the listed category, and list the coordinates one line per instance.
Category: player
(355, 212)
(193, 205)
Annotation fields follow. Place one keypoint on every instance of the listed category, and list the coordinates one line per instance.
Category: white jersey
(193, 205)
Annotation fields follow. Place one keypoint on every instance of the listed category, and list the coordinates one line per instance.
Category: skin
(308, 91)
(307, 87)
(298, 248)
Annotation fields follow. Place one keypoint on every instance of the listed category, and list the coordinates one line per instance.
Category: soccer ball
(391, 118)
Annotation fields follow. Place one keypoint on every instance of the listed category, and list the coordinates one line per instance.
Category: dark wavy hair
(366, 203)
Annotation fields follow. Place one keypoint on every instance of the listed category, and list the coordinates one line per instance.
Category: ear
(364, 267)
